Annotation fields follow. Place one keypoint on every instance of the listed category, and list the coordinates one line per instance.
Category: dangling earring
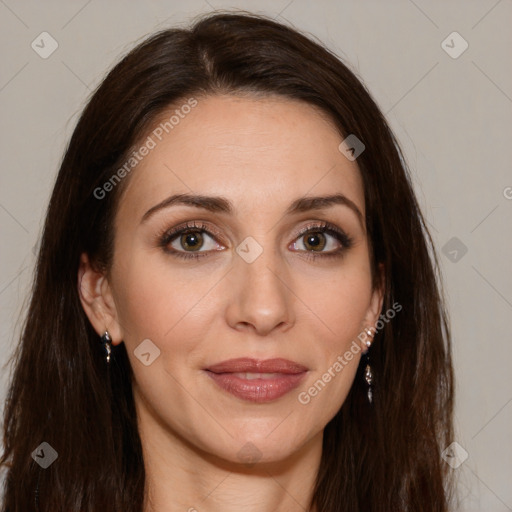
(106, 340)
(368, 370)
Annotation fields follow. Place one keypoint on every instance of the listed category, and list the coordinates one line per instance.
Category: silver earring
(106, 340)
(368, 377)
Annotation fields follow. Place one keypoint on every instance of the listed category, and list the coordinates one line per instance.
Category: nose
(260, 295)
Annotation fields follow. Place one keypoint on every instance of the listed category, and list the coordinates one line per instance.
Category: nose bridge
(261, 297)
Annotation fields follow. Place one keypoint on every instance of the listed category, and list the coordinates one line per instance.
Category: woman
(235, 301)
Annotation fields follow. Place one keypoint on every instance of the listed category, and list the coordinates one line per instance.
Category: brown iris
(315, 240)
(192, 240)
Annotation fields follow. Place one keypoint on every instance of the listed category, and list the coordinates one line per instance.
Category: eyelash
(323, 227)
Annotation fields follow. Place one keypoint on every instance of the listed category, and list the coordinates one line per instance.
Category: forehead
(259, 152)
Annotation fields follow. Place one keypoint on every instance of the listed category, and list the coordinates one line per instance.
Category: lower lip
(257, 390)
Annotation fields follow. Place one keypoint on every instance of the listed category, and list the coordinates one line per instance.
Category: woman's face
(245, 281)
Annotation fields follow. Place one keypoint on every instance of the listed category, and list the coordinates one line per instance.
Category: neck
(183, 478)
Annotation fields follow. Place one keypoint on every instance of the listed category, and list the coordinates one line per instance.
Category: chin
(256, 445)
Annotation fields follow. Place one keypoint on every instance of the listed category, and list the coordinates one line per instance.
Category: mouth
(255, 380)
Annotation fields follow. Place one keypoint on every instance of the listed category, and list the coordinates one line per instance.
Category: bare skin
(261, 155)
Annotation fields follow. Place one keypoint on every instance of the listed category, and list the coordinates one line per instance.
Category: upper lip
(249, 365)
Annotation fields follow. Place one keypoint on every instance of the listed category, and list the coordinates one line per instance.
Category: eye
(189, 241)
(196, 240)
(322, 240)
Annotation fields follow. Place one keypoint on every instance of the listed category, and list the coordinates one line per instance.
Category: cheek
(155, 301)
(339, 305)
(338, 301)
(324, 394)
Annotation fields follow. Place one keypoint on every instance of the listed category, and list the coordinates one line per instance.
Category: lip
(282, 376)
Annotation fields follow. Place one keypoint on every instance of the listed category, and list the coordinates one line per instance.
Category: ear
(97, 300)
(377, 298)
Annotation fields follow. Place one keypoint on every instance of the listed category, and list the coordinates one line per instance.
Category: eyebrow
(219, 204)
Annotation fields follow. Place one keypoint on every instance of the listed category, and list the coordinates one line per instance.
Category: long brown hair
(384, 456)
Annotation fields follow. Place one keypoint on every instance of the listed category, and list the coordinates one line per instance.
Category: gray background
(451, 115)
